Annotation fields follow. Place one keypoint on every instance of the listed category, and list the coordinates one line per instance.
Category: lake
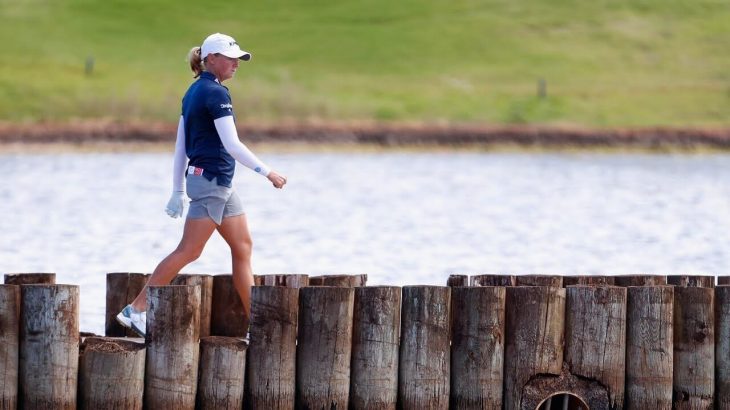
(401, 217)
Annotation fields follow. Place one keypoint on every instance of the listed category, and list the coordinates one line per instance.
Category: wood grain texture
(206, 296)
(694, 348)
(227, 317)
(30, 279)
(425, 359)
(539, 280)
(640, 280)
(457, 280)
(375, 340)
(722, 347)
(588, 280)
(49, 346)
(534, 325)
(288, 280)
(595, 339)
(324, 347)
(173, 323)
(477, 347)
(697, 281)
(9, 345)
(493, 280)
(111, 374)
(271, 361)
(221, 373)
(649, 347)
(347, 281)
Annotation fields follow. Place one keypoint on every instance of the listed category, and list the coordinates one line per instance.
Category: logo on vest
(227, 106)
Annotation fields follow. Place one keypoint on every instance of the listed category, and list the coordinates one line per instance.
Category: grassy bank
(605, 64)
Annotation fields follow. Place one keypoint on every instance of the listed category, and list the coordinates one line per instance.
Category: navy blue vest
(207, 100)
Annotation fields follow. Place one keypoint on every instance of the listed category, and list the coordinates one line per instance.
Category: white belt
(195, 170)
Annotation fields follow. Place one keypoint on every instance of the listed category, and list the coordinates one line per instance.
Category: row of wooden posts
(482, 342)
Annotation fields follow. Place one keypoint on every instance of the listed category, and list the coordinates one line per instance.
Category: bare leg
(235, 231)
(195, 235)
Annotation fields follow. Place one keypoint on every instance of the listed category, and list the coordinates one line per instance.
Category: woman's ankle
(136, 309)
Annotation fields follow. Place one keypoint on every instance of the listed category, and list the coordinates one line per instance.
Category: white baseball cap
(222, 44)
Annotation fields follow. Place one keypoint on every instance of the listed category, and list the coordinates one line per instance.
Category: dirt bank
(382, 135)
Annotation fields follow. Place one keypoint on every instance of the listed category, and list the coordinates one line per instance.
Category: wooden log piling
(425, 360)
(595, 342)
(49, 346)
(555, 281)
(271, 362)
(227, 317)
(607, 342)
(649, 347)
(221, 373)
(457, 280)
(324, 347)
(121, 289)
(375, 339)
(588, 280)
(694, 348)
(722, 347)
(493, 280)
(723, 280)
(698, 281)
(9, 345)
(111, 374)
(173, 323)
(206, 296)
(288, 280)
(534, 325)
(30, 279)
(477, 347)
(640, 280)
(347, 281)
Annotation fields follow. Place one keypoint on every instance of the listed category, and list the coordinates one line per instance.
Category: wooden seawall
(481, 342)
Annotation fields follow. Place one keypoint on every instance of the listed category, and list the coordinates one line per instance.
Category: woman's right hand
(176, 204)
(278, 180)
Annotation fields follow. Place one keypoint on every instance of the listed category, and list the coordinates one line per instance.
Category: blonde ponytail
(196, 63)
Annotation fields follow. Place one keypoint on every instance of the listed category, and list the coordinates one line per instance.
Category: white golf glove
(176, 204)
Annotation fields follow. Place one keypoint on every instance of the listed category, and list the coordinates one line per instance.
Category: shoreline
(107, 135)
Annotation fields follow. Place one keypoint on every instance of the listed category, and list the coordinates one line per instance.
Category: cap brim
(237, 53)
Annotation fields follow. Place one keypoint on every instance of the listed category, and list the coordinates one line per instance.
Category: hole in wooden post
(563, 401)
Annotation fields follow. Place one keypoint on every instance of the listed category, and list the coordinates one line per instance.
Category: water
(402, 218)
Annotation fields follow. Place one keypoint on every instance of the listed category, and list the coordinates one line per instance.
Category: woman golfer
(206, 151)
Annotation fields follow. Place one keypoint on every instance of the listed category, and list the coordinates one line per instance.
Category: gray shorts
(210, 200)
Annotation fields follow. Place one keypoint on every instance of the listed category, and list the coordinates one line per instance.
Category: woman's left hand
(278, 180)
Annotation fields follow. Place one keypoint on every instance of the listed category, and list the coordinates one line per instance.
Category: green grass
(605, 63)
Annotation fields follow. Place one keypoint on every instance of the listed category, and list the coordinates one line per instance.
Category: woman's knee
(242, 248)
(189, 253)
